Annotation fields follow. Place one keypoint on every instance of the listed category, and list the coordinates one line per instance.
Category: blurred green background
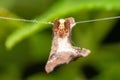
(25, 47)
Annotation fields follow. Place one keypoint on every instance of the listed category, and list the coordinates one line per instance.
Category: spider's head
(62, 27)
